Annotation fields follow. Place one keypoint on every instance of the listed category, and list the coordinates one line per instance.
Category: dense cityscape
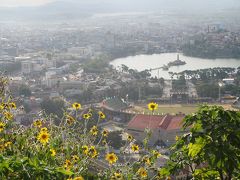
(63, 70)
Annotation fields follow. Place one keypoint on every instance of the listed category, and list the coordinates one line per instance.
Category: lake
(142, 62)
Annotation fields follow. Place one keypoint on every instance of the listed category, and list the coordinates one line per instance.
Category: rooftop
(167, 122)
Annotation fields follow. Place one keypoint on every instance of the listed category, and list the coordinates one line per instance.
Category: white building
(229, 81)
(50, 79)
(26, 67)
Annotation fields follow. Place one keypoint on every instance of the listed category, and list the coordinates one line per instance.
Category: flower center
(44, 136)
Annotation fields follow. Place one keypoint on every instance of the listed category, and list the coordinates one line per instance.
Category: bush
(44, 150)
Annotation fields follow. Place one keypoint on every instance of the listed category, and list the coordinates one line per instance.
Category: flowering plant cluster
(68, 150)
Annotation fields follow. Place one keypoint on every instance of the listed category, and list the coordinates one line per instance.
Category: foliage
(211, 149)
(24, 90)
(208, 74)
(11, 67)
(74, 67)
(131, 89)
(70, 149)
(208, 90)
(53, 106)
(96, 65)
(179, 84)
(204, 49)
(153, 91)
(27, 107)
(115, 139)
(232, 89)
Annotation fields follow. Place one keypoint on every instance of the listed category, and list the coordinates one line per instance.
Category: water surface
(142, 62)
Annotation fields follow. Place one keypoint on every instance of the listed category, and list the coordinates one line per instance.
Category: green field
(175, 108)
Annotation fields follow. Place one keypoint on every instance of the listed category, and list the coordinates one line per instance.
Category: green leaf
(196, 148)
(64, 171)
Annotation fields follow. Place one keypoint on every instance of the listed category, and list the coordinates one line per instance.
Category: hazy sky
(191, 3)
(23, 2)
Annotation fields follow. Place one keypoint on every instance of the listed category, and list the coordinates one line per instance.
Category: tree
(74, 67)
(179, 84)
(27, 107)
(207, 90)
(115, 139)
(10, 67)
(144, 74)
(161, 81)
(124, 68)
(49, 56)
(53, 106)
(132, 89)
(97, 65)
(24, 90)
(211, 149)
(234, 90)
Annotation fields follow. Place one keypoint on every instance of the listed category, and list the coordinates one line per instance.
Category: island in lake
(177, 62)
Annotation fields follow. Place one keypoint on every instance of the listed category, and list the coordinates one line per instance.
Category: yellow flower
(111, 158)
(8, 115)
(5, 106)
(75, 158)
(2, 147)
(76, 106)
(146, 160)
(86, 116)
(8, 144)
(94, 130)
(130, 138)
(44, 129)
(105, 133)
(1, 107)
(101, 115)
(104, 141)
(12, 105)
(37, 123)
(70, 119)
(67, 164)
(117, 175)
(135, 148)
(142, 172)
(89, 114)
(92, 152)
(156, 153)
(2, 126)
(78, 178)
(53, 152)
(85, 149)
(152, 106)
(176, 138)
(43, 137)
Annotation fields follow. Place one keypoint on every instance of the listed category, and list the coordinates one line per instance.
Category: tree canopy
(24, 90)
(53, 106)
(212, 148)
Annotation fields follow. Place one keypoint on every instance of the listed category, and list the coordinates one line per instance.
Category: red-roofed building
(164, 128)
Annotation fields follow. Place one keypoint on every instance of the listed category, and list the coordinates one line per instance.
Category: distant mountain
(51, 11)
(73, 9)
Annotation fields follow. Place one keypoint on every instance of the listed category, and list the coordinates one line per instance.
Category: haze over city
(120, 89)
